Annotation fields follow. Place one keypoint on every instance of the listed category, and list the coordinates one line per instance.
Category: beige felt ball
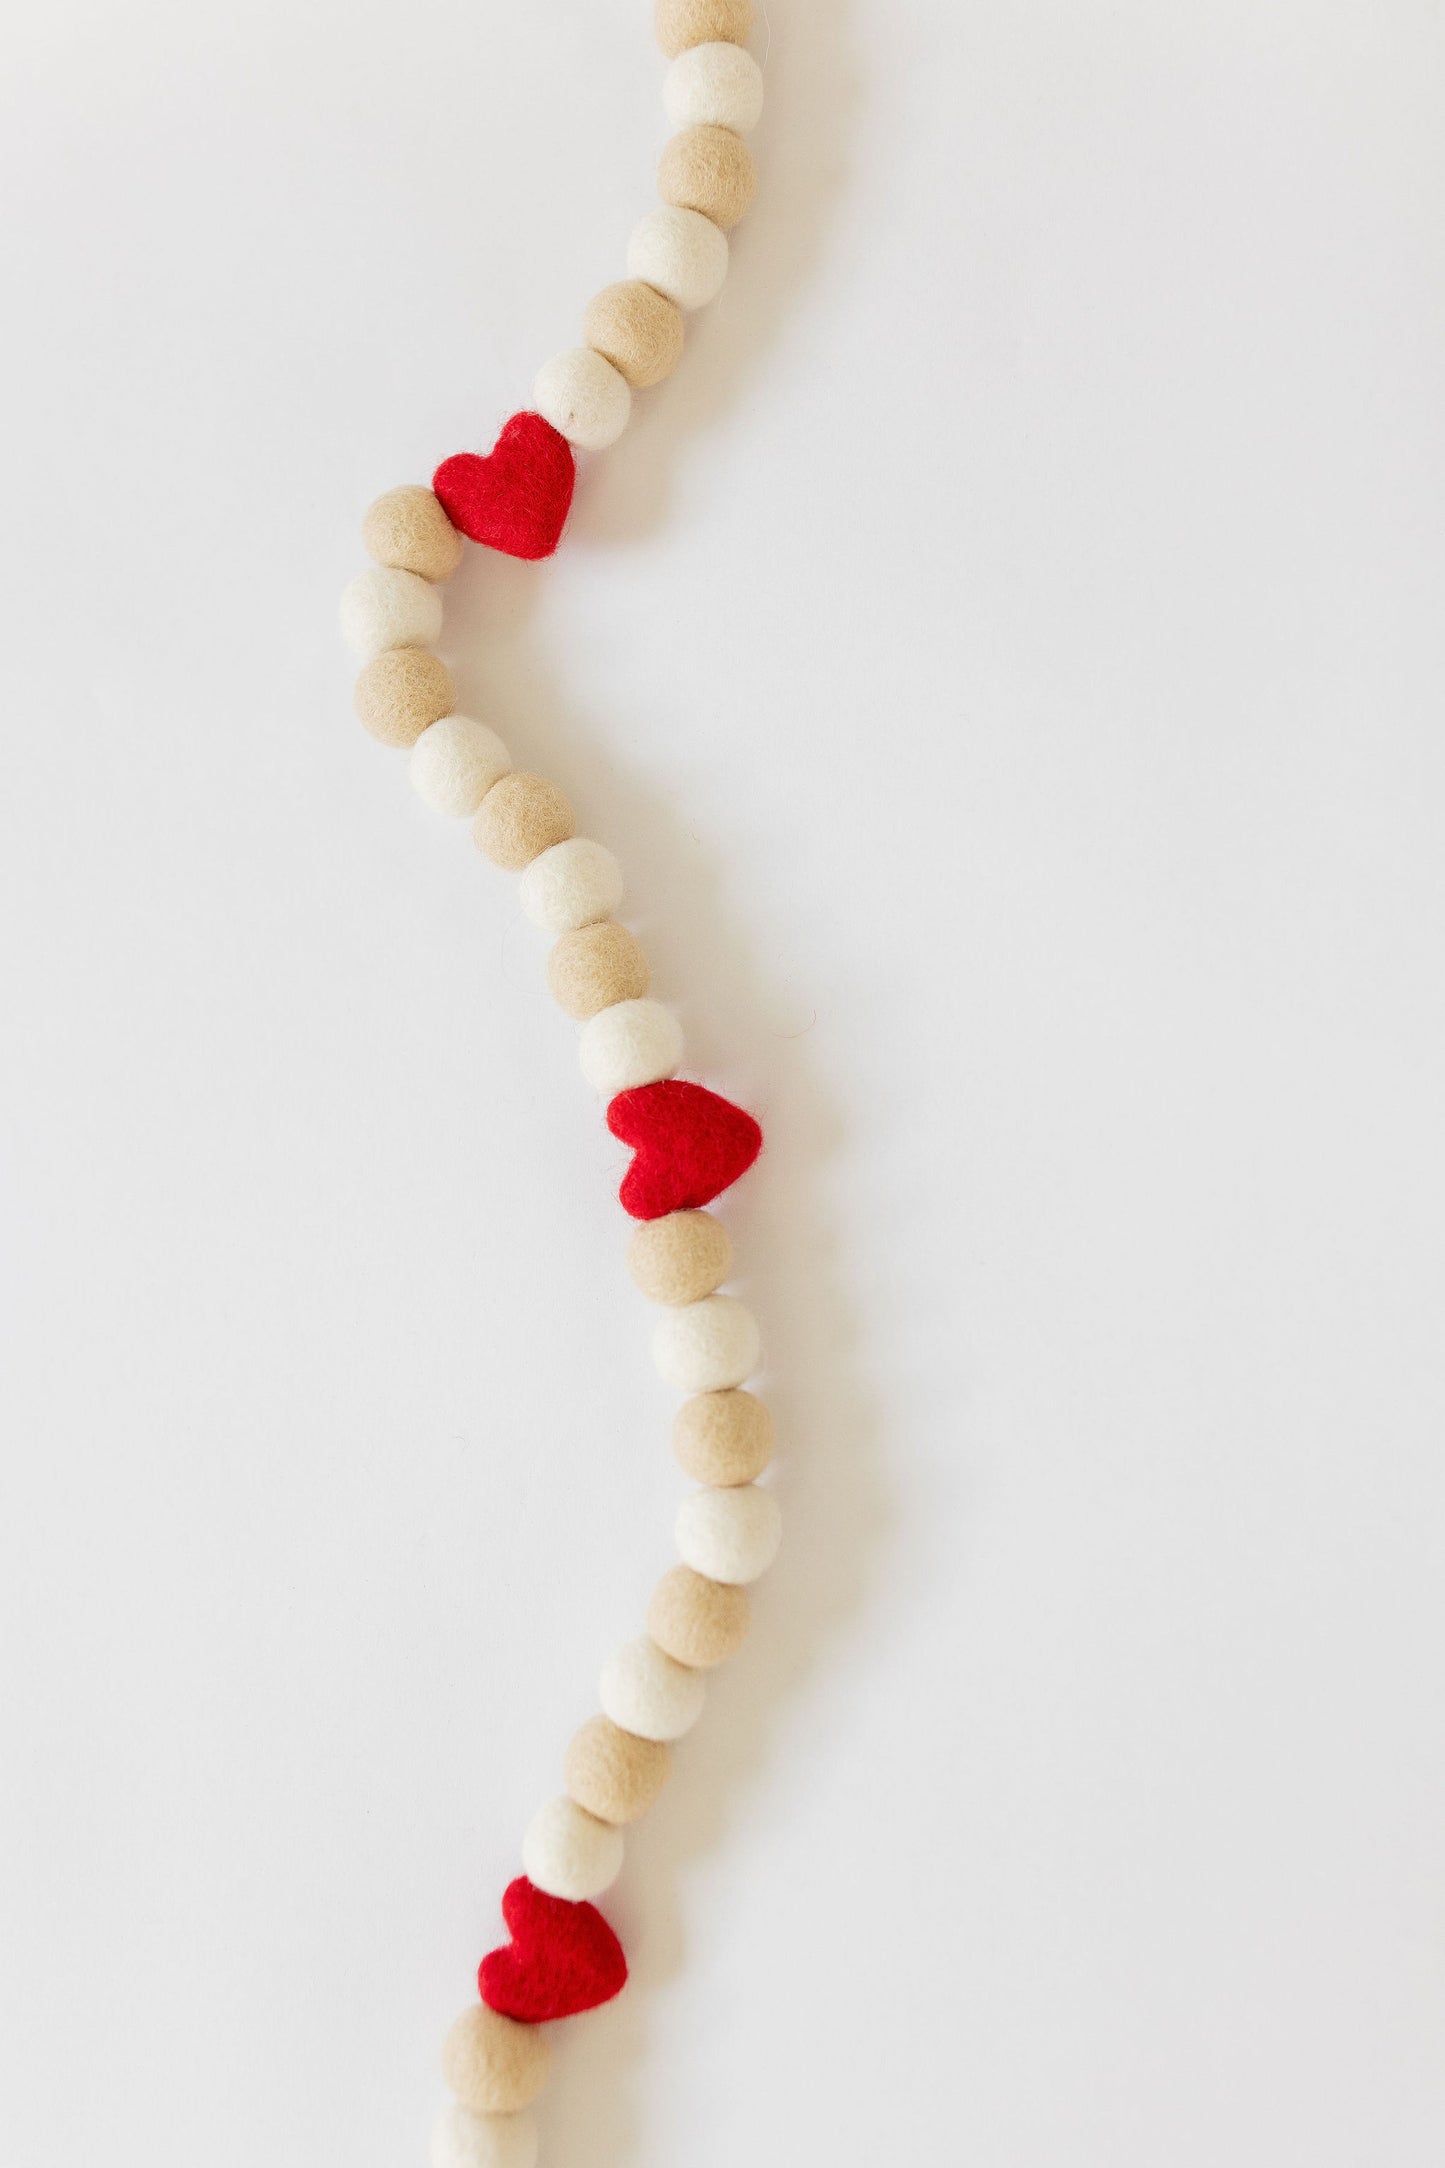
(455, 763)
(637, 329)
(637, 1042)
(521, 816)
(570, 1853)
(723, 1438)
(707, 1346)
(650, 1693)
(729, 1535)
(574, 884)
(708, 170)
(680, 1257)
(494, 2065)
(465, 2140)
(681, 253)
(595, 967)
(408, 528)
(681, 23)
(614, 1774)
(384, 608)
(402, 693)
(584, 397)
(714, 86)
(695, 1621)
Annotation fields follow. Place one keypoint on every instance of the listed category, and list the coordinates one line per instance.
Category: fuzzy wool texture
(649, 1693)
(493, 2065)
(614, 1774)
(681, 23)
(634, 1044)
(681, 253)
(681, 1257)
(637, 329)
(384, 608)
(583, 397)
(454, 763)
(409, 529)
(729, 1535)
(696, 1621)
(708, 170)
(570, 1853)
(723, 1439)
(516, 497)
(521, 816)
(402, 693)
(595, 967)
(714, 86)
(562, 1959)
(464, 2140)
(707, 1346)
(690, 1144)
(573, 884)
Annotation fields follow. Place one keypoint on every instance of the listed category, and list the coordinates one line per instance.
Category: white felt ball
(455, 762)
(729, 1535)
(584, 397)
(650, 1695)
(569, 1853)
(465, 2140)
(384, 607)
(707, 1346)
(573, 885)
(681, 253)
(714, 86)
(633, 1042)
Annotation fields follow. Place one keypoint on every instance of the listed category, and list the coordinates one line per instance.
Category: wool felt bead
(516, 497)
(646, 1691)
(493, 2065)
(696, 1621)
(570, 1853)
(689, 1144)
(723, 1438)
(709, 170)
(384, 608)
(681, 253)
(562, 1959)
(409, 529)
(729, 1535)
(681, 1257)
(614, 1774)
(574, 884)
(465, 2140)
(637, 329)
(681, 23)
(454, 764)
(707, 1346)
(714, 86)
(584, 397)
(521, 816)
(636, 1043)
(402, 693)
(595, 967)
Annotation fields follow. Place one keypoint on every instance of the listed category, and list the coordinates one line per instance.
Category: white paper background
(1008, 659)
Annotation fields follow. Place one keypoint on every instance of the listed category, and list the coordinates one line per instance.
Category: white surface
(1007, 660)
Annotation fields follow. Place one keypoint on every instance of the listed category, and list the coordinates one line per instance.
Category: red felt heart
(562, 1958)
(516, 497)
(690, 1146)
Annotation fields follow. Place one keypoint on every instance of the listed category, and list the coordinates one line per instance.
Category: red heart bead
(562, 1958)
(689, 1145)
(516, 497)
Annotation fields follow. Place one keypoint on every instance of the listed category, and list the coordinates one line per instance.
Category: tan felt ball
(696, 1621)
(723, 1438)
(681, 23)
(637, 329)
(709, 170)
(519, 818)
(494, 2065)
(402, 693)
(681, 1257)
(614, 1775)
(408, 528)
(594, 967)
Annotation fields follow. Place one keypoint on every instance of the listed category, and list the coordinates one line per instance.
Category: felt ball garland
(688, 1143)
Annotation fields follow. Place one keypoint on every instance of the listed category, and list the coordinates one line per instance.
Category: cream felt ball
(408, 528)
(723, 1438)
(464, 2140)
(384, 608)
(494, 2065)
(574, 884)
(399, 694)
(708, 170)
(696, 1621)
(637, 329)
(649, 1693)
(614, 1774)
(681, 23)
(708, 1345)
(729, 1535)
(584, 398)
(594, 967)
(637, 1042)
(570, 1853)
(455, 762)
(680, 1257)
(681, 253)
(714, 86)
(521, 816)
